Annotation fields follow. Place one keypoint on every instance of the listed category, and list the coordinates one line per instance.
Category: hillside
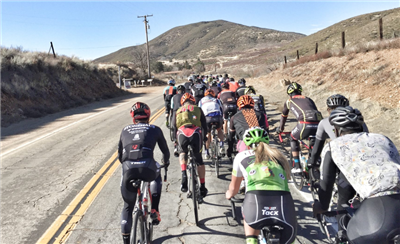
(206, 39)
(358, 30)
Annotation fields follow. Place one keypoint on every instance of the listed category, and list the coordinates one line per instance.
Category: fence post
(298, 56)
(285, 59)
(316, 48)
(343, 40)
(380, 29)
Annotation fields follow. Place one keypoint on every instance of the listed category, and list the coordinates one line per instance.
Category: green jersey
(264, 176)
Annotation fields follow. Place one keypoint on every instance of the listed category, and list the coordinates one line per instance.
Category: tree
(140, 59)
(199, 67)
(158, 67)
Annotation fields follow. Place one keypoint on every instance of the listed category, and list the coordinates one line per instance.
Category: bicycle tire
(171, 129)
(216, 157)
(194, 192)
(150, 230)
(138, 232)
(298, 178)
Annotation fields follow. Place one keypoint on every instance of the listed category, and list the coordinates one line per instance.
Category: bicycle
(194, 184)
(269, 234)
(171, 127)
(142, 229)
(215, 155)
(230, 114)
(301, 178)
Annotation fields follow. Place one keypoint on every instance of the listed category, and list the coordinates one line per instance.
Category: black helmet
(337, 100)
(346, 119)
(242, 82)
(226, 75)
(231, 79)
(294, 87)
(214, 83)
(180, 88)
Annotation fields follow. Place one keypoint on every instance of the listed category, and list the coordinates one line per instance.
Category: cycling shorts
(190, 136)
(146, 169)
(215, 120)
(229, 108)
(304, 130)
(266, 208)
(167, 106)
(376, 221)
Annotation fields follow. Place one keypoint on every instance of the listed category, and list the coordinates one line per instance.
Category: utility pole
(147, 43)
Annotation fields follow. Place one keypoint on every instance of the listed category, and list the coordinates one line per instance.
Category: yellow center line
(112, 164)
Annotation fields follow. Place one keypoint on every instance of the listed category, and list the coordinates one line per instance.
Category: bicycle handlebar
(280, 135)
(235, 200)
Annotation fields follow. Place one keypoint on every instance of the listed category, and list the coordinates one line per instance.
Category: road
(53, 181)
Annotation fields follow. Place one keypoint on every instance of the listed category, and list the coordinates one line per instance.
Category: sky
(91, 29)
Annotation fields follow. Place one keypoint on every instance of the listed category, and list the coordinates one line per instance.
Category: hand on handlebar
(317, 208)
(278, 130)
(165, 163)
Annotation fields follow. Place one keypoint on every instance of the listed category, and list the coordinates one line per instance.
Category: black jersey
(176, 101)
(138, 141)
(240, 91)
(216, 90)
(247, 118)
(227, 97)
(303, 108)
(188, 87)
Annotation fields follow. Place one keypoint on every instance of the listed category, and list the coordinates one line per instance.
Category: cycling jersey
(216, 90)
(227, 97)
(240, 91)
(211, 106)
(233, 86)
(369, 162)
(169, 92)
(247, 118)
(268, 176)
(137, 141)
(198, 91)
(176, 102)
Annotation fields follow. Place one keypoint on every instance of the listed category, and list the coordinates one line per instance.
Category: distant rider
(168, 93)
(242, 87)
(175, 105)
(198, 90)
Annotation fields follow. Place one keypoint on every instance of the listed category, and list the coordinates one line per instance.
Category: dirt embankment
(371, 81)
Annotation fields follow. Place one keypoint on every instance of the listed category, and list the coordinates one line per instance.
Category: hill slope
(358, 30)
(206, 39)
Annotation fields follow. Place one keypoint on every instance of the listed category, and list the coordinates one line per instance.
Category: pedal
(189, 194)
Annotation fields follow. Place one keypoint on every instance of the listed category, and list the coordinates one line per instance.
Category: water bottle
(304, 163)
(261, 239)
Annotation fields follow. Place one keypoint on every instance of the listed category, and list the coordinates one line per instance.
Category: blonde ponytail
(265, 152)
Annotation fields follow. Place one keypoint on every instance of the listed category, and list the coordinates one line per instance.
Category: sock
(183, 168)
(206, 151)
(202, 181)
(126, 239)
(221, 143)
(251, 240)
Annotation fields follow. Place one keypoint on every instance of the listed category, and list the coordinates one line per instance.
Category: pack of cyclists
(362, 164)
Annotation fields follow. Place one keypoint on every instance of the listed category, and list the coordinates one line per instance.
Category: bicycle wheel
(297, 178)
(138, 231)
(193, 176)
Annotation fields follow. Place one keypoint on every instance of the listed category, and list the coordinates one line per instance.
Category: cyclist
(369, 166)
(168, 93)
(214, 86)
(212, 109)
(244, 119)
(135, 152)
(188, 85)
(325, 129)
(268, 200)
(258, 100)
(228, 100)
(198, 90)
(242, 87)
(192, 129)
(175, 105)
(233, 86)
(307, 116)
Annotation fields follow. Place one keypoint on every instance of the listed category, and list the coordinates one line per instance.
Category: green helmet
(250, 90)
(255, 135)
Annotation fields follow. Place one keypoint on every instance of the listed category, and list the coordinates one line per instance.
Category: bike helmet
(190, 78)
(187, 97)
(337, 100)
(294, 87)
(171, 82)
(255, 135)
(245, 101)
(209, 92)
(242, 82)
(180, 88)
(231, 79)
(250, 90)
(225, 85)
(346, 119)
(139, 111)
(214, 83)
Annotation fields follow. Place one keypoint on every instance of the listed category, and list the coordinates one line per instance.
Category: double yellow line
(63, 226)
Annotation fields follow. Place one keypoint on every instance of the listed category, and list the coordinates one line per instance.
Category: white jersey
(210, 105)
(370, 162)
